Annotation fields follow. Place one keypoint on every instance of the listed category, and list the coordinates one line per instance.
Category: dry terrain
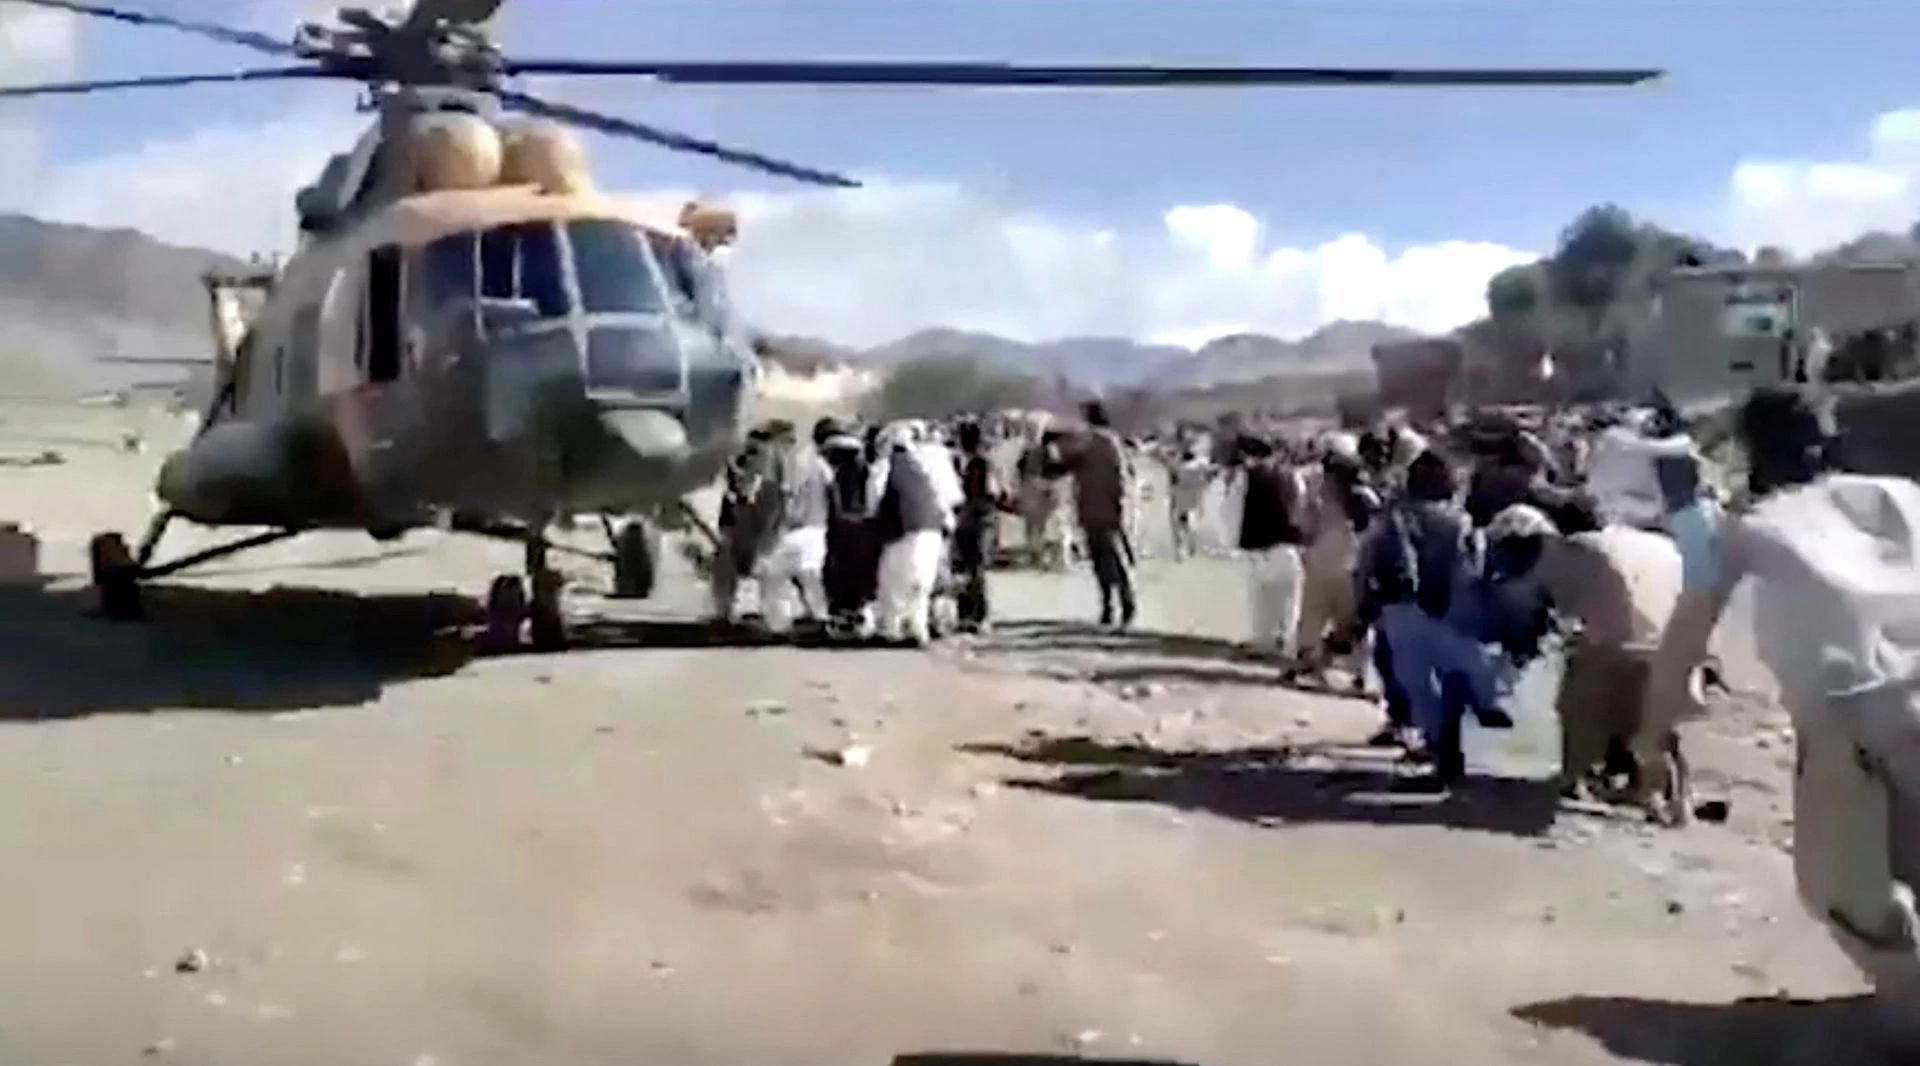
(310, 827)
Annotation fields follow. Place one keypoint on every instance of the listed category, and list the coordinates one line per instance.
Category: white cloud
(224, 187)
(873, 264)
(1807, 204)
(36, 44)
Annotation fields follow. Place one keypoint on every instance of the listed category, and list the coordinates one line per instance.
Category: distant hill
(1110, 363)
(70, 294)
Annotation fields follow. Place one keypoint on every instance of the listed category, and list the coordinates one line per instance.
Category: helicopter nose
(529, 380)
(652, 434)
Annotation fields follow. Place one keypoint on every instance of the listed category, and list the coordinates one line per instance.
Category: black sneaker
(1493, 718)
(1424, 785)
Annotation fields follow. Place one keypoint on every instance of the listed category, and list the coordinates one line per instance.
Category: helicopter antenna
(446, 44)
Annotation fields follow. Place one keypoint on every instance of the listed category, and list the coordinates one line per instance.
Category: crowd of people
(1441, 564)
(886, 533)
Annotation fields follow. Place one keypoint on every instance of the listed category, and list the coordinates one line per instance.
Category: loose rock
(853, 755)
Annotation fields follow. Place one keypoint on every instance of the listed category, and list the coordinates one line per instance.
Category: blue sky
(1753, 80)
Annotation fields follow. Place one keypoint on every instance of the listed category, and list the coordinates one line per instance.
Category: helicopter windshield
(585, 266)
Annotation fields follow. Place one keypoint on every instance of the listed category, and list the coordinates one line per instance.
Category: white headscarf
(1341, 443)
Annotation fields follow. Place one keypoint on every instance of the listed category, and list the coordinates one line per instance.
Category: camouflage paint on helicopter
(507, 341)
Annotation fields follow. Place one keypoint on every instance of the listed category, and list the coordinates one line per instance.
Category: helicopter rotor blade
(1076, 76)
(163, 81)
(259, 42)
(678, 142)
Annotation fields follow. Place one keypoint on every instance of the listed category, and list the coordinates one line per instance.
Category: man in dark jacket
(974, 533)
(853, 548)
(1272, 535)
(742, 526)
(1102, 485)
(1414, 573)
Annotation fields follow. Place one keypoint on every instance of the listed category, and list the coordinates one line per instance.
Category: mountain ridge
(70, 294)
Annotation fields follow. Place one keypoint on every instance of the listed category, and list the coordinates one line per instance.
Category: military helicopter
(469, 336)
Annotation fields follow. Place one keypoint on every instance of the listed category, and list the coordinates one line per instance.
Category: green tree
(1596, 256)
(1514, 293)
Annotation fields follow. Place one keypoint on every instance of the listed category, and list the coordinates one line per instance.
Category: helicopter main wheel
(546, 622)
(636, 548)
(506, 612)
(116, 578)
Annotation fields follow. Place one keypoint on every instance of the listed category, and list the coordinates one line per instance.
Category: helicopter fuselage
(500, 352)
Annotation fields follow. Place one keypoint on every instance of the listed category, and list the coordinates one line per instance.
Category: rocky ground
(309, 826)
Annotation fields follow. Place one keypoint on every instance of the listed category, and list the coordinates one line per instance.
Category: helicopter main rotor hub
(367, 46)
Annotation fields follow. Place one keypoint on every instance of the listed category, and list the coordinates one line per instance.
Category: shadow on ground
(1126, 657)
(1061, 636)
(588, 634)
(221, 649)
(1747, 1032)
(247, 650)
(1275, 786)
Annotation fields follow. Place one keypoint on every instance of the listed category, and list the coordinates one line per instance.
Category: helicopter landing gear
(118, 571)
(533, 602)
(635, 552)
(116, 578)
(506, 612)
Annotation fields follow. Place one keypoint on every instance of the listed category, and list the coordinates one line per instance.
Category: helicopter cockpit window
(611, 260)
(447, 272)
(613, 269)
(523, 262)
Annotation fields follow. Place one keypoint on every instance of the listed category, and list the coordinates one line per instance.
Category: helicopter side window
(380, 324)
(676, 262)
(523, 262)
(611, 261)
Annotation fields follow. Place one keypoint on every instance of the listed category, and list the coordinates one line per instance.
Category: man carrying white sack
(1614, 589)
(1835, 562)
(795, 569)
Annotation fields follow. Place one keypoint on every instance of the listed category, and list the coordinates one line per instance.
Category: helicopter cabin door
(382, 346)
(382, 397)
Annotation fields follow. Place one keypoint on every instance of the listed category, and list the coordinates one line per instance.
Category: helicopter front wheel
(546, 622)
(506, 612)
(116, 578)
(635, 551)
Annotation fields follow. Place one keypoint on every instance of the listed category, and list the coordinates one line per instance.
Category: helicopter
(470, 336)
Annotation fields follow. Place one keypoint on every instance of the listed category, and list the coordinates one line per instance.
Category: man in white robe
(1835, 562)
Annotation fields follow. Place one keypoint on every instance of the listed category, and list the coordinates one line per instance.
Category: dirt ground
(368, 846)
